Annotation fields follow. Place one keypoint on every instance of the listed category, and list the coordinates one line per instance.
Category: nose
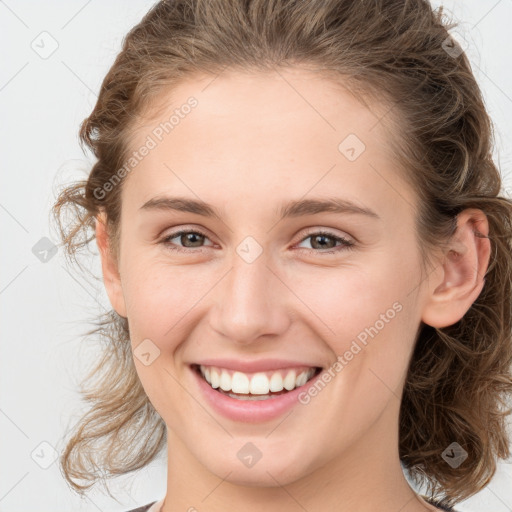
(250, 303)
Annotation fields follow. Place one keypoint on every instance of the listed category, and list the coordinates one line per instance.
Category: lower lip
(250, 411)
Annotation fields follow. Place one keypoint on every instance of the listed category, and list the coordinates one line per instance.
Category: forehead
(262, 134)
(262, 103)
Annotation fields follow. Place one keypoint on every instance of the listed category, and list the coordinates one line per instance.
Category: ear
(461, 273)
(111, 276)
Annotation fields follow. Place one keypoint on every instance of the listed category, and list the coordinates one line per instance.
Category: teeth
(259, 384)
(215, 379)
(250, 397)
(289, 381)
(255, 384)
(239, 383)
(225, 381)
(276, 382)
(301, 379)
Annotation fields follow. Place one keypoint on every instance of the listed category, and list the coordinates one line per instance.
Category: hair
(394, 52)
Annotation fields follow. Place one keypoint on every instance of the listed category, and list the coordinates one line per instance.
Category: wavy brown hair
(394, 52)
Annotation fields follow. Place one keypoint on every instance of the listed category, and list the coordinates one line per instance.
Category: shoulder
(144, 508)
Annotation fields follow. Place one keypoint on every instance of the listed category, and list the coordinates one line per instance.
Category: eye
(186, 237)
(320, 240)
(192, 239)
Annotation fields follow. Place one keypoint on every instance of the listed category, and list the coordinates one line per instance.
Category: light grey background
(44, 309)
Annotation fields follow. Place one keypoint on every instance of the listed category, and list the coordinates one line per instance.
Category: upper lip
(260, 365)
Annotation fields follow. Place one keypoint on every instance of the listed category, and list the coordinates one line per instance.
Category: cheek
(160, 297)
(351, 300)
(368, 318)
(375, 329)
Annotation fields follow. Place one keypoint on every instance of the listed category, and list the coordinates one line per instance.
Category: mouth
(262, 385)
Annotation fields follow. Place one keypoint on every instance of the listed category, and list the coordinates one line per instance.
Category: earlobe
(111, 276)
(460, 278)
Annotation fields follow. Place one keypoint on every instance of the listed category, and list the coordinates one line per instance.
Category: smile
(256, 386)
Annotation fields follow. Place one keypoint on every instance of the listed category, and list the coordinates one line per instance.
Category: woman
(308, 259)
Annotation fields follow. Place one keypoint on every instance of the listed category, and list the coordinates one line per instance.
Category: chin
(278, 468)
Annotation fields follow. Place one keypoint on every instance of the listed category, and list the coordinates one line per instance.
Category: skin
(340, 451)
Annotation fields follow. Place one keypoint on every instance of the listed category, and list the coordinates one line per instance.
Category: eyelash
(346, 244)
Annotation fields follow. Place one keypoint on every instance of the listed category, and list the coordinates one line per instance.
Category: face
(277, 289)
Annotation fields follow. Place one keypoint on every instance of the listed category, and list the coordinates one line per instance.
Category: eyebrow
(295, 208)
